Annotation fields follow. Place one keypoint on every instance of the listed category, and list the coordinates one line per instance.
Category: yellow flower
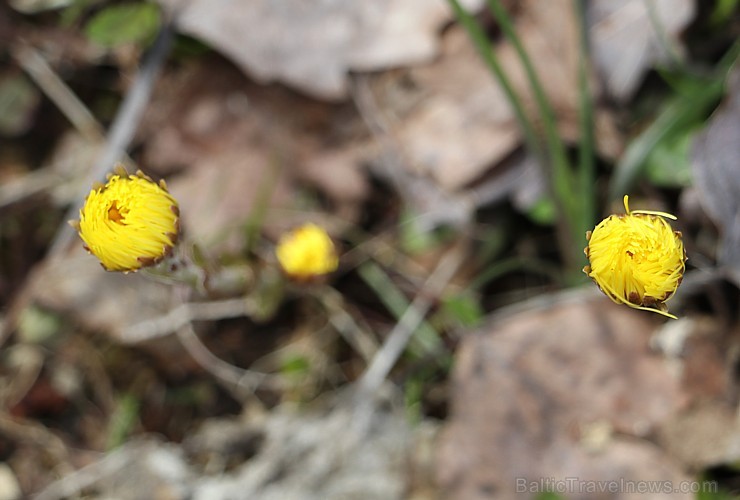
(306, 252)
(636, 259)
(129, 223)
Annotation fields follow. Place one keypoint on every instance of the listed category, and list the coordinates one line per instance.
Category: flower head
(636, 259)
(129, 223)
(306, 252)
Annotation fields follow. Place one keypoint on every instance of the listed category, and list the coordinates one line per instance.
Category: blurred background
(456, 152)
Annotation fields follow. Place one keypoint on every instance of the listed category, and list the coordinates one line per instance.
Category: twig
(427, 338)
(242, 382)
(29, 185)
(120, 136)
(360, 340)
(58, 91)
(68, 103)
(184, 314)
(235, 378)
(396, 342)
(123, 128)
(108, 465)
(35, 433)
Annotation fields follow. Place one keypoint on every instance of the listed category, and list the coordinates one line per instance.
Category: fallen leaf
(98, 300)
(237, 145)
(716, 176)
(537, 384)
(462, 123)
(705, 436)
(702, 353)
(455, 124)
(449, 122)
(338, 172)
(629, 38)
(550, 35)
(218, 196)
(312, 45)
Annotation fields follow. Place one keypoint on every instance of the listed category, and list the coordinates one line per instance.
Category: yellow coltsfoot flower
(130, 222)
(307, 252)
(636, 259)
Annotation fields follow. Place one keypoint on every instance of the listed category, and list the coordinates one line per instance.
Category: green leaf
(125, 23)
(669, 163)
(295, 365)
(413, 239)
(413, 395)
(36, 325)
(74, 11)
(723, 11)
(543, 211)
(426, 340)
(690, 105)
(463, 309)
(679, 114)
(123, 420)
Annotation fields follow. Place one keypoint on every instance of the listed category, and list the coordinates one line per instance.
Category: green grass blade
(681, 111)
(426, 339)
(483, 45)
(568, 198)
(554, 144)
(586, 163)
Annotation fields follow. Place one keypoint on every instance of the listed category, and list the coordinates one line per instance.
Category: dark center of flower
(116, 214)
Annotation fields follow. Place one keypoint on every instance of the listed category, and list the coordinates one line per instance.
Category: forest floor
(458, 350)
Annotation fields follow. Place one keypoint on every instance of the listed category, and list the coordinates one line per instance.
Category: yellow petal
(129, 223)
(637, 259)
(306, 252)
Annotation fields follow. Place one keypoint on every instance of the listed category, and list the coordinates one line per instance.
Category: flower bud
(306, 252)
(636, 259)
(129, 223)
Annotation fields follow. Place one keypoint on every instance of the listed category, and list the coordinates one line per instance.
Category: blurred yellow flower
(306, 252)
(129, 223)
(636, 259)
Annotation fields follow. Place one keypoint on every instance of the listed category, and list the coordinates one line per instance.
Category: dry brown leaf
(454, 122)
(717, 175)
(704, 355)
(462, 123)
(237, 140)
(702, 437)
(449, 119)
(338, 172)
(625, 41)
(549, 33)
(536, 396)
(218, 196)
(98, 300)
(312, 45)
